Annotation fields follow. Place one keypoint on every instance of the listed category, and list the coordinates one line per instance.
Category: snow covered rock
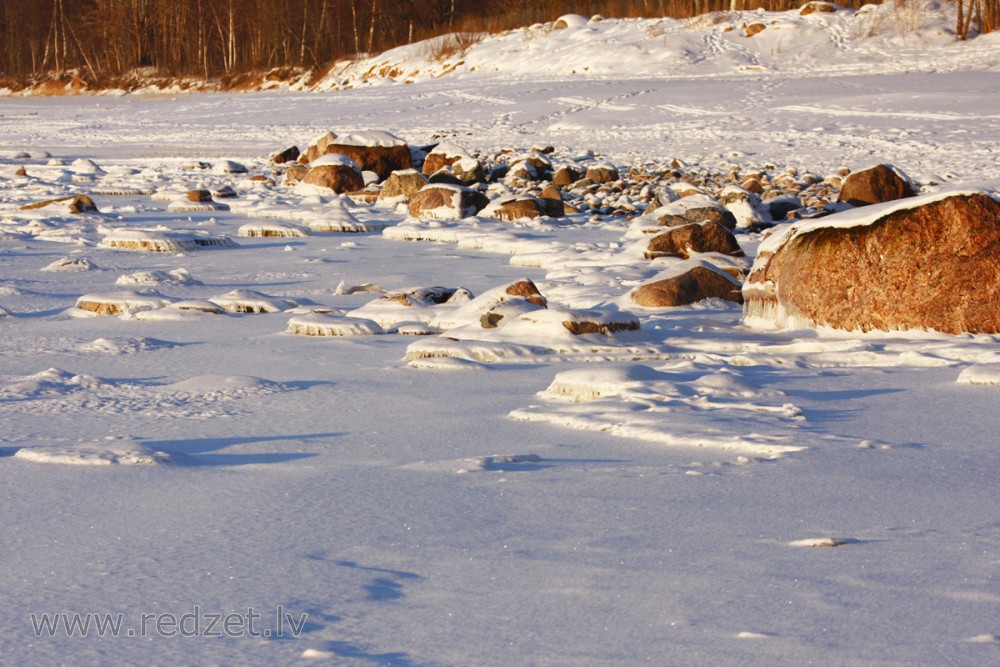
(702, 281)
(400, 186)
(603, 172)
(324, 324)
(694, 238)
(332, 174)
(252, 301)
(443, 201)
(290, 154)
(878, 184)
(377, 151)
(117, 303)
(159, 240)
(694, 208)
(515, 207)
(748, 209)
(926, 263)
(817, 6)
(75, 204)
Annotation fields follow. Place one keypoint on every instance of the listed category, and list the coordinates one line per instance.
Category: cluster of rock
(847, 276)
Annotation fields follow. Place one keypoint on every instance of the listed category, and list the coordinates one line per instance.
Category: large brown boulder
(933, 265)
(443, 201)
(336, 177)
(697, 284)
(686, 240)
(878, 184)
(383, 160)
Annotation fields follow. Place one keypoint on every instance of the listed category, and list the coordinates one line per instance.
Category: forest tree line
(102, 39)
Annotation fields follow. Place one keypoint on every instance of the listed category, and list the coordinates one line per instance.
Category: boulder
(442, 201)
(694, 208)
(686, 240)
(75, 204)
(567, 175)
(552, 200)
(515, 207)
(199, 195)
(290, 154)
(699, 283)
(929, 264)
(317, 147)
(878, 184)
(336, 177)
(754, 28)
(376, 151)
(817, 6)
(602, 173)
(746, 207)
(401, 185)
(295, 173)
(465, 168)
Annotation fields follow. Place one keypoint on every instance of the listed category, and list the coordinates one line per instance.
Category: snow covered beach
(658, 496)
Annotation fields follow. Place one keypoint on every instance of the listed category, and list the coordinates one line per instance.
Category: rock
(295, 173)
(567, 175)
(229, 167)
(878, 184)
(199, 196)
(928, 265)
(515, 207)
(748, 209)
(527, 290)
(552, 201)
(465, 169)
(446, 202)
(754, 28)
(569, 21)
(401, 185)
(290, 154)
(817, 6)
(694, 208)
(699, 283)
(317, 147)
(75, 204)
(603, 172)
(686, 240)
(335, 172)
(376, 151)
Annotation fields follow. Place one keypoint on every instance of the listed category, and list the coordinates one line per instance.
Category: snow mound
(125, 345)
(222, 384)
(988, 374)
(70, 264)
(669, 408)
(820, 542)
(323, 324)
(156, 277)
(110, 451)
(53, 382)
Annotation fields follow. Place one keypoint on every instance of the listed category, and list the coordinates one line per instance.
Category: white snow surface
(636, 497)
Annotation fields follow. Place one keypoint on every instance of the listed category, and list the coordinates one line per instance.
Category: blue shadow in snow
(203, 451)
